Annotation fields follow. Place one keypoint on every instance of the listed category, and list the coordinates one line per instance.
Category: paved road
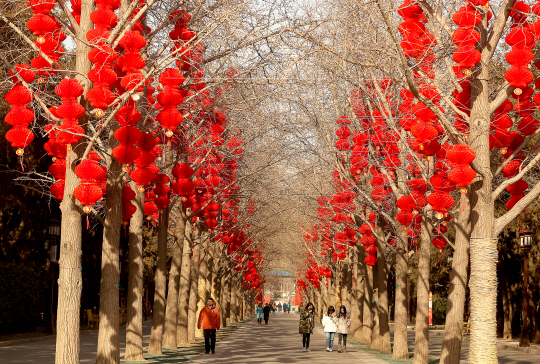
(43, 352)
(279, 342)
(506, 356)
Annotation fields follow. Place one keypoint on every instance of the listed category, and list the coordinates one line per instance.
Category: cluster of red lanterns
(131, 61)
(20, 115)
(89, 192)
(162, 191)
(49, 35)
(368, 241)
(127, 134)
(521, 39)
(171, 79)
(145, 167)
(465, 38)
(69, 111)
(461, 156)
(128, 208)
(343, 134)
(102, 55)
(359, 154)
(183, 186)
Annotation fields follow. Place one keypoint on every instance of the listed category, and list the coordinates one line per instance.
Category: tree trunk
(225, 298)
(202, 293)
(134, 334)
(368, 304)
(337, 290)
(421, 339)
(346, 287)
(507, 310)
(382, 302)
(375, 333)
(401, 347)
(158, 312)
(536, 323)
(171, 309)
(70, 276)
(356, 301)
(233, 318)
(192, 307)
(451, 349)
(183, 301)
(483, 280)
(108, 349)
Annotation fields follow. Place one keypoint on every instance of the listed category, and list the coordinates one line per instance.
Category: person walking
(330, 327)
(209, 319)
(307, 322)
(343, 321)
(266, 313)
(259, 313)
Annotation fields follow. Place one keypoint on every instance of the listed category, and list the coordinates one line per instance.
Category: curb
(4, 344)
(520, 349)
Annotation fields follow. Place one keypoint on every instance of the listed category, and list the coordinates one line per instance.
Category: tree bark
(183, 301)
(70, 276)
(171, 309)
(375, 332)
(382, 302)
(401, 347)
(192, 308)
(158, 312)
(202, 293)
(368, 304)
(234, 297)
(421, 339)
(356, 301)
(483, 245)
(226, 288)
(108, 349)
(134, 334)
(507, 311)
(451, 349)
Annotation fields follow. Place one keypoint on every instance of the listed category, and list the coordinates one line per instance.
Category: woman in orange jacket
(210, 320)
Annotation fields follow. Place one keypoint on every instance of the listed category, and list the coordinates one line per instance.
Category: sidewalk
(280, 342)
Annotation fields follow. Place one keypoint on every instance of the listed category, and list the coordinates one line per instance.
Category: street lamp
(525, 243)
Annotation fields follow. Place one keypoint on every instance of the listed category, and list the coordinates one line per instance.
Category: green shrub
(439, 309)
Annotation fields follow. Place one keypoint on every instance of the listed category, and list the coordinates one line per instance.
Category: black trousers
(305, 340)
(209, 339)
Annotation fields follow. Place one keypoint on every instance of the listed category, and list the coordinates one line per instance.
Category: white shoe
(330, 349)
(304, 349)
(308, 350)
(327, 349)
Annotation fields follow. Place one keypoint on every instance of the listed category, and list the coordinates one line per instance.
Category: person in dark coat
(266, 313)
(307, 322)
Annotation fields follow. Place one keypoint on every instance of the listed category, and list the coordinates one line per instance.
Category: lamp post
(525, 243)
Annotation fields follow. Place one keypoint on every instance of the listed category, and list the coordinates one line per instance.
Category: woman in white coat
(343, 322)
(330, 327)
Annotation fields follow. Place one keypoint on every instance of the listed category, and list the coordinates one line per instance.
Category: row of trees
(136, 106)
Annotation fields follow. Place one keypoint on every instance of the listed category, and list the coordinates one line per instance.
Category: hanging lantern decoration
(169, 99)
(127, 135)
(521, 39)
(465, 38)
(343, 134)
(69, 111)
(128, 208)
(183, 186)
(49, 36)
(143, 175)
(89, 191)
(461, 174)
(162, 191)
(20, 115)
(516, 191)
(131, 61)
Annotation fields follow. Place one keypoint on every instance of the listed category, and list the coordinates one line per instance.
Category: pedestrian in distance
(266, 313)
(259, 313)
(330, 327)
(307, 322)
(209, 320)
(343, 321)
